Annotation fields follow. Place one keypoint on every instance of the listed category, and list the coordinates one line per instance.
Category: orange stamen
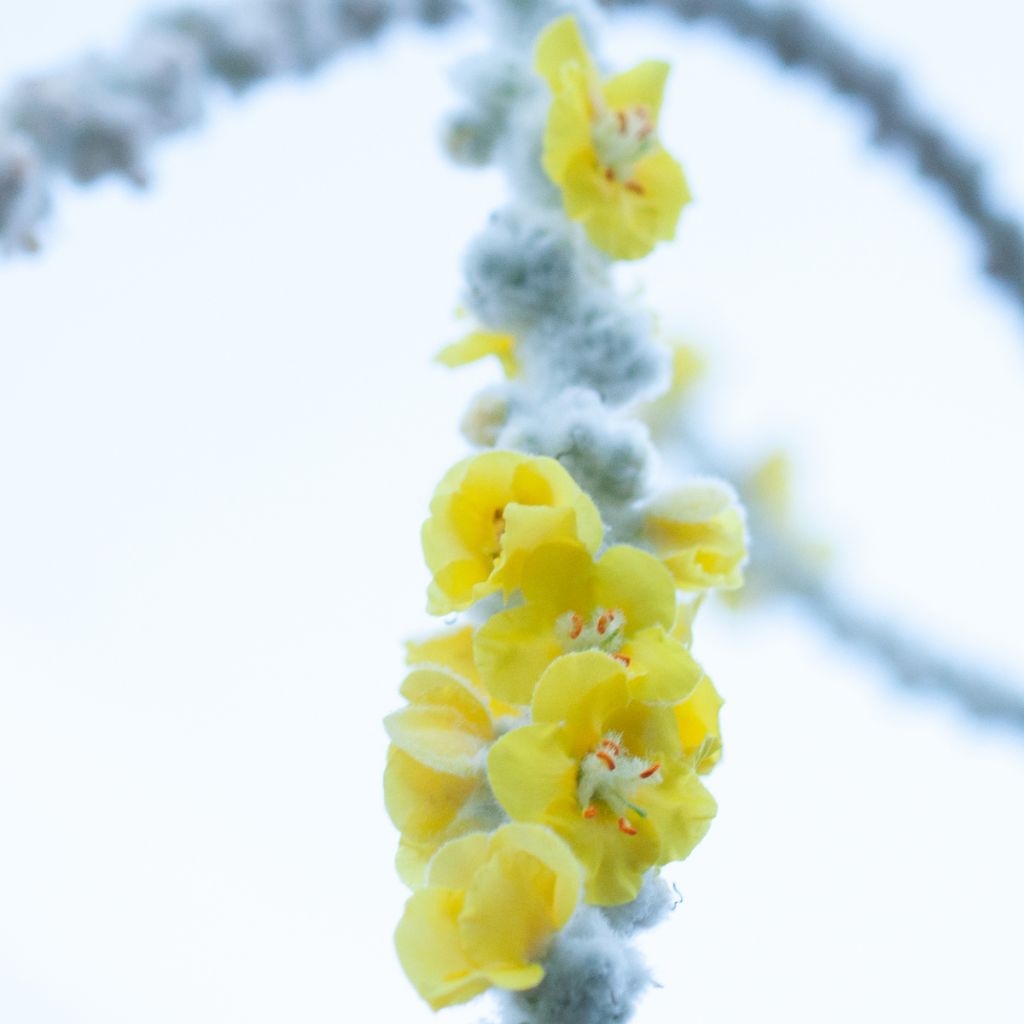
(635, 186)
(647, 773)
(611, 745)
(607, 758)
(577, 626)
(602, 623)
(623, 659)
(625, 826)
(609, 174)
(590, 812)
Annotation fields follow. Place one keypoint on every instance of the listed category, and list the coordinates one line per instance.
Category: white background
(219, 429)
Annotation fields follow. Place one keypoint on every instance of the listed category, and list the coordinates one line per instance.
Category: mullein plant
(550, 756)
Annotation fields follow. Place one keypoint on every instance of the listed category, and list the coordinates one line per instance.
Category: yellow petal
(543, 844)
(453, 650)
(513, 648)
(661, 669)
(581, 690)
(681, 810)
(642, 86)
(530, 771)
(506, 919)
(697, 719)
(617, 220)
(686, 613)
(648, 731)
(515, 979)
(457, 861)
(665, 193)
(436, 687)
(411, 861)
(613, 863)
(637, 583)
(558, 577)
(422, 802)
(699, 533)
(567, 137)
(526, 528)
(479, 345)
(560, 47)
(436, 737)
(430, 949)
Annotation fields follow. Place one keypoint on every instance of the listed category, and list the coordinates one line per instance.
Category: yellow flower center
(499, 531)
(621, 138)
(605, 630)
(609, 775)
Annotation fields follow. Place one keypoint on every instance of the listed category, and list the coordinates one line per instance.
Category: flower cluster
(550, 756)
(575, 711)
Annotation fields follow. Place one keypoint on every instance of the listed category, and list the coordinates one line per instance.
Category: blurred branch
(797, 39)
(101, 115)
(784, 569)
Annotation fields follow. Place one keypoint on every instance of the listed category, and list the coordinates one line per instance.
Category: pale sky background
(219, 430)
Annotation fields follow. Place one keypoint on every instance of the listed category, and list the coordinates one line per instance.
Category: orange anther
(609, 174)
(622, 659)
(621, 115)
(607, 758)
(590, 812)
(611, 745)
(635, 186)
(625, 826)
(602, 623)
(577, 626)
(648, 772)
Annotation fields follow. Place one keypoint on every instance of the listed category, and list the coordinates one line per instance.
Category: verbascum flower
(699, 532)
(604, 771)
(488, 513)
(622, 604)
(479, 345)
(435, 787)
(601, 146)
(491, 905)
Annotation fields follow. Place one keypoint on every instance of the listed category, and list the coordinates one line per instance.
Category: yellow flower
(606, 772)
(434, 784)
(699, 532)
(480, 344)
(622, 604)
(488, 513)
(601, 146)
(490, 908)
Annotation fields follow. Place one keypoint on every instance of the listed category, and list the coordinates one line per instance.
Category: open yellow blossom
(623, 604)
(488, 513)
(434, 783)
(491, 906)
(606, 772)
(601, 146)
(478, 345)
(699, 532)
